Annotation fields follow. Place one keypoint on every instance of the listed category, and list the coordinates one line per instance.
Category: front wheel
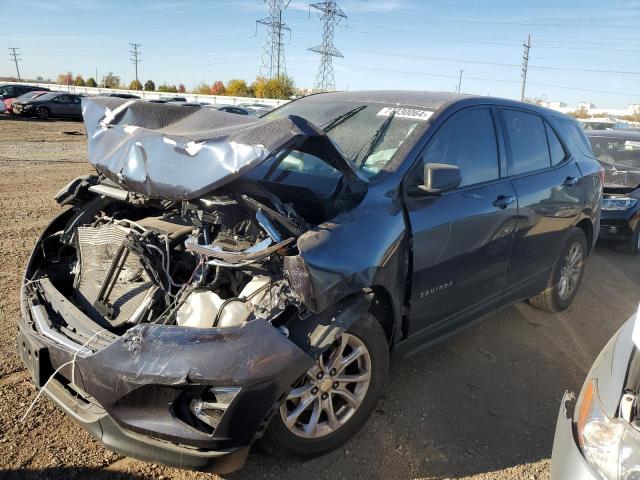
(336, 396)
(632, 246)
(566, 275)
(43, 113)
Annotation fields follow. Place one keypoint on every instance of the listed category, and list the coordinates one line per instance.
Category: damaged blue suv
(224, 278)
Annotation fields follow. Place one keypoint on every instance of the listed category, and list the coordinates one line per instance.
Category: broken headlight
(610, 445)
(212, 404)
(619, 203)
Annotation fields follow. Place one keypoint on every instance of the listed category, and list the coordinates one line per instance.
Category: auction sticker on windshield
(413, 113)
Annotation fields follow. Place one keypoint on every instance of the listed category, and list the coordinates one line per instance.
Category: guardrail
(191, 97)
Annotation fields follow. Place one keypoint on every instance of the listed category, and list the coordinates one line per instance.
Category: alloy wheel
(331, 391)
(570, 271)
(43, 113)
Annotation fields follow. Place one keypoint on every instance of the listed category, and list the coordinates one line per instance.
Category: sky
(580, 50)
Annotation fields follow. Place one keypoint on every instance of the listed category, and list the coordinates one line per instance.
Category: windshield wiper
(341, 118)
(373, 143)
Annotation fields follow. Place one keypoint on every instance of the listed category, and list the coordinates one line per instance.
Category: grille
(98, 246)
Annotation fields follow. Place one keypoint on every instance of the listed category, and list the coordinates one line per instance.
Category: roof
(621, 134)
(424, 99)
(419, 98)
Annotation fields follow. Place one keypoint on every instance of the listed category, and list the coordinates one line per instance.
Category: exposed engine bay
(212, 262)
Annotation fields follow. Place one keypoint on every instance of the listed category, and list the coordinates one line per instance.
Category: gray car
(597, 436)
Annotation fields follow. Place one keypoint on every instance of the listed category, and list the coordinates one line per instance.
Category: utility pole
(135, 59)
(330, 14)
(272, 62)
(525, 66)
(15, 56)
(459, 82)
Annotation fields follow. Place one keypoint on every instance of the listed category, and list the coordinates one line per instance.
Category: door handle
(503, 201)
(570, 181)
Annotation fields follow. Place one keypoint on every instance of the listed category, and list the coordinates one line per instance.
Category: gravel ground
(481, 405)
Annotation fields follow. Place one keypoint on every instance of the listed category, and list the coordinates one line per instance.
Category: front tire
(566, 275)
(43, 113)
(336, 397)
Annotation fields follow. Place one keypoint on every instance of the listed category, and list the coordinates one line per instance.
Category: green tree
(259, 87)
(135, 85)
(237, 88)
(91, 82)
(79, 81)
(279, 87)
(167, 88)
(111, 81)
(149, 86)
(202, 89)
(581, 112)
(218, 88)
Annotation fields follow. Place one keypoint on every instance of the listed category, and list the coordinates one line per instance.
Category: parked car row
(40, 102)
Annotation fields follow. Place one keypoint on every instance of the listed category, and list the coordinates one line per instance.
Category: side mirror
(440, 177)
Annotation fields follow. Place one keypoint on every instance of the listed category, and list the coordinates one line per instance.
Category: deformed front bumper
(134, 394)
(568, 462)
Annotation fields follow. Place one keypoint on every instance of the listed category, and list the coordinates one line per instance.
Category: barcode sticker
(414, 113)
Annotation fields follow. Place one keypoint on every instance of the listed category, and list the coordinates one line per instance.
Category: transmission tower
(330, 14)
(15, 56)
(135, 59)
(272, 63)
(525, 66)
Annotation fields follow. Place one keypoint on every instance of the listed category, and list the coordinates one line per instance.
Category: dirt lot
(481, 405)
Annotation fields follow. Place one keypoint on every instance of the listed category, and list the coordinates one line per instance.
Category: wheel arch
(382, 308)
(587, 227)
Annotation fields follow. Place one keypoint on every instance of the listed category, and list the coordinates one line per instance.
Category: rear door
(462, 239)
(544, 176)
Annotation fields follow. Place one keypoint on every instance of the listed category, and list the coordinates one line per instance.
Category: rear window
(526, 142)
(575, 135)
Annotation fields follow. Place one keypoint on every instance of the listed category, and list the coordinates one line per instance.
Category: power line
(135, 59)
(485, 79)
(499, 64)
(525, 66)
(330, 14)
(15, 56)
(272, 63)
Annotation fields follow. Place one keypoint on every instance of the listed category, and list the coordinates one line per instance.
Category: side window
(467, 140)
(526, 142)
(555, 147)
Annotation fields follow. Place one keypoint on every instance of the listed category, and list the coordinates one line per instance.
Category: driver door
(462, 238)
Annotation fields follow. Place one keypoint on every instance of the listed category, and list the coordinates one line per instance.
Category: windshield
(32, 94)
(48, 96)
(621, 152)
(369, 134)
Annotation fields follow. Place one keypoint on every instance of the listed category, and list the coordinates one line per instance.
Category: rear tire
(310, 436)
(632, 246)
(43, 113)
(566, 275)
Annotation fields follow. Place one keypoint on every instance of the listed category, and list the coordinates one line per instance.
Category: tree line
(282, 87)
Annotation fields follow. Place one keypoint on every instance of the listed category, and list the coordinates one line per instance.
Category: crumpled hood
(618, 176)
(178, 152)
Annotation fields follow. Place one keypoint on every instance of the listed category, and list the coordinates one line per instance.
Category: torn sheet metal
(180, 153)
